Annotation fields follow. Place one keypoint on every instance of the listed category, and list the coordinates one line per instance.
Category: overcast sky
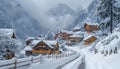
(38, 9)
(48, 3)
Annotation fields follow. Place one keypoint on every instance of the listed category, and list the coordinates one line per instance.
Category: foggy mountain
(13, 16)
(61, 16)
(66, 17)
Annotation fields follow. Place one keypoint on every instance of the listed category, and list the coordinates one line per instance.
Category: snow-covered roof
(7, 32)
(35, 42)
(90, 23)
(76, 35)
(76, 27)
(35, 38)
(50, 43)
(79, 33)
(88, 37)
(69, 32)
(28, 48)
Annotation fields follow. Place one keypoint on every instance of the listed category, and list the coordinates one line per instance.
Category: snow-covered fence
(58, 56)
(17, 63)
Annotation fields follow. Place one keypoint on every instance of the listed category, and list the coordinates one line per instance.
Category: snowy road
(61, 66)
(81, 66)
(77, 63)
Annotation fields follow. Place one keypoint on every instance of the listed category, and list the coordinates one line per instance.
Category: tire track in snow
(76, 64)
(61, 66)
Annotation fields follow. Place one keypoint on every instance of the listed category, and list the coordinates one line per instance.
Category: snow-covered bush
(13, 45)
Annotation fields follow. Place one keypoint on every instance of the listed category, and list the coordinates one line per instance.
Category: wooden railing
(17, 63)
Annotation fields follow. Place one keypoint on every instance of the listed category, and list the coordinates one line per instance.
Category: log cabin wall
(90, 27)
(90, 40)
(43, 48)
(41, 45)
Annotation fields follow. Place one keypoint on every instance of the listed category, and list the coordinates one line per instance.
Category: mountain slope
(13, 16)
(65, 17)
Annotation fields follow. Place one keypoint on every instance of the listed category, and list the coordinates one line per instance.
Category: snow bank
(49, 63)
(110, 42)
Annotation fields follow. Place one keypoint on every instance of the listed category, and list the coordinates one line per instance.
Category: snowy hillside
(59, 36)
(65, 17)
(13, 16)
(61, 10)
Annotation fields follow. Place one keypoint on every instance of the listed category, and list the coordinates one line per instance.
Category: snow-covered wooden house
(7, 34)
(89, 39)
(64, 35)
(44, 47)
(28, 50)
(91, 26)
(75, 38)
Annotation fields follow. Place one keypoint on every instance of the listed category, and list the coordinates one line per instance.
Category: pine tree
(106, 12)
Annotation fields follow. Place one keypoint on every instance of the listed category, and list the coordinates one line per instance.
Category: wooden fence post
(32, 59)
(41, 59)
(15, 64)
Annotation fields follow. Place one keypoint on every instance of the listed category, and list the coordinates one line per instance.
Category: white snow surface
(110, 42)
(52, 63)
(90, 23)
(48, 42)
(28, 48)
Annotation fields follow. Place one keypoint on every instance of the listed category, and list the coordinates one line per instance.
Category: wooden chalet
(89, 39)
(44, 47)
(64, 35)
(91, 27)
(75, 38)
(7, 34)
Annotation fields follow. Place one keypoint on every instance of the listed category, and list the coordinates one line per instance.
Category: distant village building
(63, 34)
(28, 50)
(91, 27)
(75, 38)
(7, 34)
(76, 29)
(43, 47)
(89, 39)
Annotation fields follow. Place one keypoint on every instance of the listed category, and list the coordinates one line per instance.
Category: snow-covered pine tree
(13, 45)
(107, 10)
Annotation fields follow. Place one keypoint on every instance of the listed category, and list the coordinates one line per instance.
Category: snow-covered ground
(53, 63)
(98, 61)
(74, 64)
(83, 57)
(95, 61)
